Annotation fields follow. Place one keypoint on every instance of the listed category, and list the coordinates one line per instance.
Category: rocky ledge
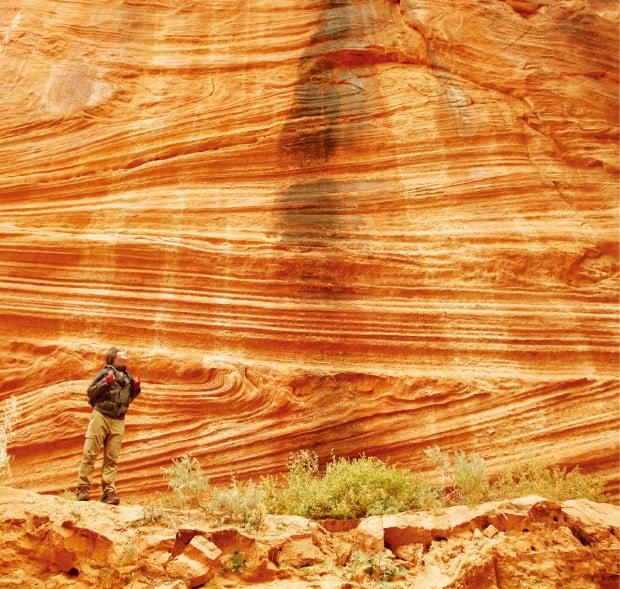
(50, 542)
(341, 225)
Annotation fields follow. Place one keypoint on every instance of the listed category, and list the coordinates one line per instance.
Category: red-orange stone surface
(355, 226)
(526, 543)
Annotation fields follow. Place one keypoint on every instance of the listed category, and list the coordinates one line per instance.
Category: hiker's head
(121, 360)
(116, 357)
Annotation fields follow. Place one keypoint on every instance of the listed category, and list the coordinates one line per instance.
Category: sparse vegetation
(237, 562)
(299, 493)
(465, 477)
(466, 480)
(238, 504)
(369, 486)
(552, 482)
(128, 552)
(377, 568)
(313, 572)
(127, 556)
(359, 487)
(116, 573)
(151, 515)
(8, 419)
(187, 482)
(348, 489)
(68, 495)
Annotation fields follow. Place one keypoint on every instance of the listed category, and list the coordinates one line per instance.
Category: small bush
(9, 417)
(378, 567)
(551, 482)
(348, 489)
(465, 477)
(470, 479)
(68, 495)
(239, 504)
(300, 491)
(237, 563)
(187, 482)
(151, 515)
(368, 486)
(467, 481)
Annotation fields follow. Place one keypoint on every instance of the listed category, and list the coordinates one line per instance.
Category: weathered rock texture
(530, 543)
(354, 225)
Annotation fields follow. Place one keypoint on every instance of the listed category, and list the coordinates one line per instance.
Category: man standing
(110, 393)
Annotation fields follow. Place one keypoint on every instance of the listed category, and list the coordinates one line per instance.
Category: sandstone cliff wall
(364, 225)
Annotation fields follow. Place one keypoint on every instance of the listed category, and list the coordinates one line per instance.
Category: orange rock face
(528, 543)
(357, 226)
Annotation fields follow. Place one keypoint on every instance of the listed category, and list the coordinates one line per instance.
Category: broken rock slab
(197, 564)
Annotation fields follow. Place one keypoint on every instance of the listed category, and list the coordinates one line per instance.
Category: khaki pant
(107, 432)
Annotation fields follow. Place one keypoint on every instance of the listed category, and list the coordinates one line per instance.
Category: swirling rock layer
(345, 226)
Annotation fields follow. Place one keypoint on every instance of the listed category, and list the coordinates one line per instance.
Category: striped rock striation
(347, 226)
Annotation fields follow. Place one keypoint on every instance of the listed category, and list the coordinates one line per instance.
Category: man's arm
(136, 388)
(98, 385)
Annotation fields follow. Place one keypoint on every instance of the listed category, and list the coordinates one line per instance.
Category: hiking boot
(83, 494)
(110, 497)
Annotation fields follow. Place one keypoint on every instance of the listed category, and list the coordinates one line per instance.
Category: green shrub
(368, 486)
(237, 563)
(551, 482)
(465, 477)
(379, 567)
(299, 494)
(238, 504)
(355, 488)
(187, 482)
(470, 479)
(466, 480)
(349, 489)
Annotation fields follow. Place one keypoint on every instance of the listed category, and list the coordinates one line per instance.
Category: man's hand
(109, 378)
(137, 385)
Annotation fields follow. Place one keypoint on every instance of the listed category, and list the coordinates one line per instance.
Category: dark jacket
(112, 399)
